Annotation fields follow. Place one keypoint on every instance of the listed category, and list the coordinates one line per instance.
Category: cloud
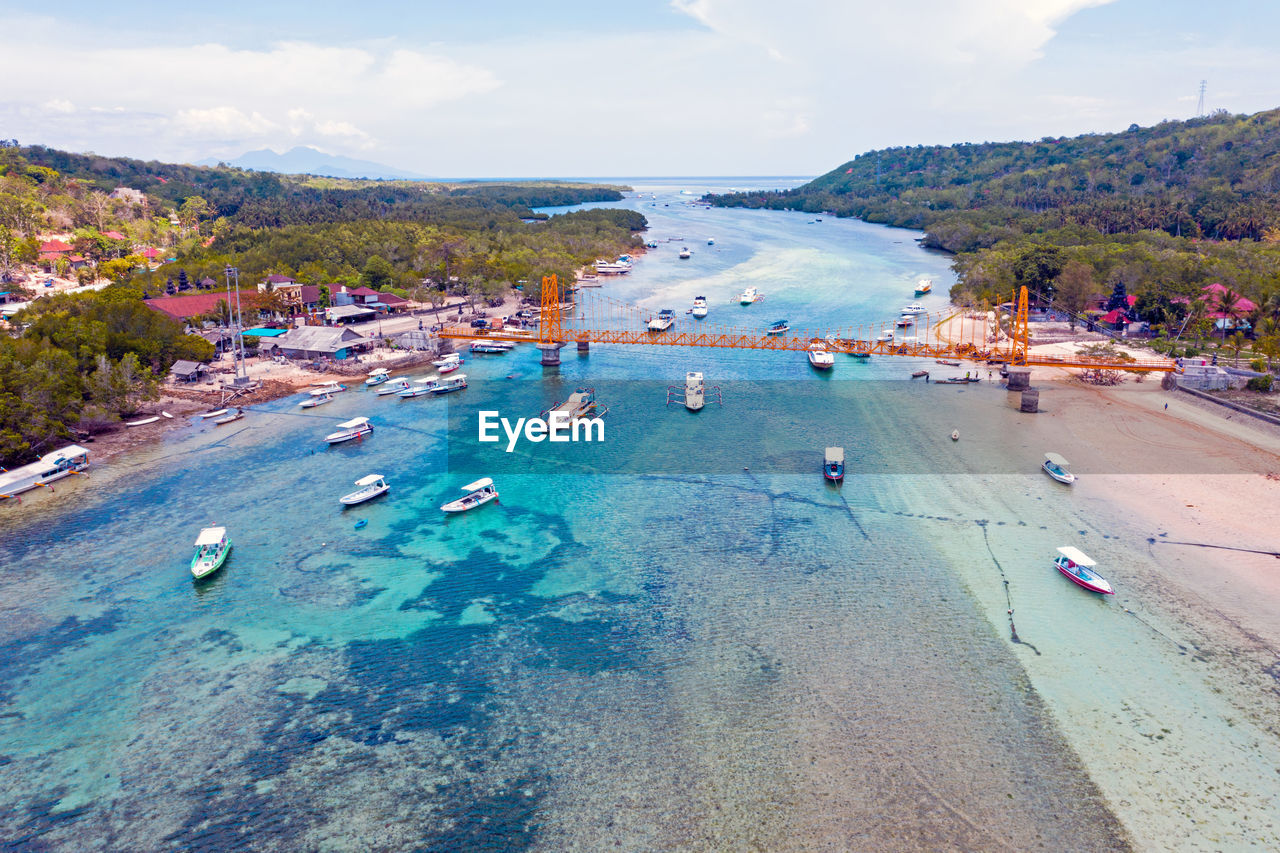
(59, 105)
(222, 123)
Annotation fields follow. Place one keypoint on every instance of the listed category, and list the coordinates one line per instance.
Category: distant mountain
(305, 160)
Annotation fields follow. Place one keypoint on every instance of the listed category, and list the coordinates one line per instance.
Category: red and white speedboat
(1077, 565)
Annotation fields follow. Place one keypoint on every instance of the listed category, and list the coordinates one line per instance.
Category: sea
(678, 638)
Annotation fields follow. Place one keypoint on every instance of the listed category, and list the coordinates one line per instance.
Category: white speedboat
(446, 360)
(492, 346)
(886, 335)
(71, 459)
(749, 296)
(328, 388)
(905, 321)
(665, 319)
(820, 358)
(914, 308)
(312, 402)
(1056, 467)
(700, 307)
(778, 327)
(923, 287)
(370, 487)
(212, 547)
(453, 383)
(419, 388)
(349, 430)
(378, 376)
(479, 493)
(685, 254)
(392, 388)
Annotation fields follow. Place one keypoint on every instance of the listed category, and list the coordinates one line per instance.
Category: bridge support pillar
(550, 354)
(1030, 401)
(584, 347)
(1019, 378)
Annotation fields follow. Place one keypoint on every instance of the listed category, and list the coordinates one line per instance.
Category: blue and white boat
(778, 327)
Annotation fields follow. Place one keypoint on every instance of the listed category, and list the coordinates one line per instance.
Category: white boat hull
(470, 502)
(364, 495)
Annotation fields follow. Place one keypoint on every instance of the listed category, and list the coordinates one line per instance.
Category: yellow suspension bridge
(594, 318)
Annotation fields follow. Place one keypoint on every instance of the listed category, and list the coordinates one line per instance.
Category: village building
(320, 342)
(187, 371)
(191, 305)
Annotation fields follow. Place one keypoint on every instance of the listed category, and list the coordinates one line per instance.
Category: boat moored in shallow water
(377, 376)
(778, 327)
(312, 402)
(820, 358)
(1078, 566)
(479, 493)
(349, 430)
(371, 486)
(699, 307)
(665, 320)
(923, 286)
(833, 464)
(212, 547)
(446, 360)
(71, 459)
(392, 388)
(749, 296)
(328, 388)
(453, 383)
(1056, 467)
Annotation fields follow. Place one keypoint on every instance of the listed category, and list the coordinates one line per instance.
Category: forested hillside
(1164, 210)
(79, 361)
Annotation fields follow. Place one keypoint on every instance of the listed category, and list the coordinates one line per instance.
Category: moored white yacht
(914, 308)
(819, 357)
(749, 296)
(700, 307)
(618, 267)
(665, 319)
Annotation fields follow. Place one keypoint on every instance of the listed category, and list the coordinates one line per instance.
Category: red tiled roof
(113, 235)
(54, 246)
(391, 299)
(310, 293)
(150, 252)
(279, 279)
(1115, 316)
(364, 291)
(51, 256)
(193, 304)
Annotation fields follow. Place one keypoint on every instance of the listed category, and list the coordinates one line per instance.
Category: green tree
(377, 273)
(1037, 267)
(1075, 287)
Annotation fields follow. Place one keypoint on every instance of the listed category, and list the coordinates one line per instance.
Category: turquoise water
(689, 641)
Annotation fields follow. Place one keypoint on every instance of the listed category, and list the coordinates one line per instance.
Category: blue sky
(646, 87)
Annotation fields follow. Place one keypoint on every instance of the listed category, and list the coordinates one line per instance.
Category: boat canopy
(369, 480)
(482, 483)
(835, 454)
(1056, 459)
(379, 371)
(211, 536)
(353, 423)
(457, 377)
(1076, 556)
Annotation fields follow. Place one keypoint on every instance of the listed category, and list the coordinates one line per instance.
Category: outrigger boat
(453, 383)
(1056, 467)
(778, 327)
(370, 487)
(312, 402)
(479, 493)
(212, 547)
(393, 388)
(833, 464)
(71, 459)
(580, 404)
(1079, 567)
(693, 392)
(665, 319)
(947, 362)
(378, 376)
(420, 388)
(699, 307)
(226, 419)
(820, 358)
(749, 296)
(328, 388)
(349, 430)
(923, 287)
